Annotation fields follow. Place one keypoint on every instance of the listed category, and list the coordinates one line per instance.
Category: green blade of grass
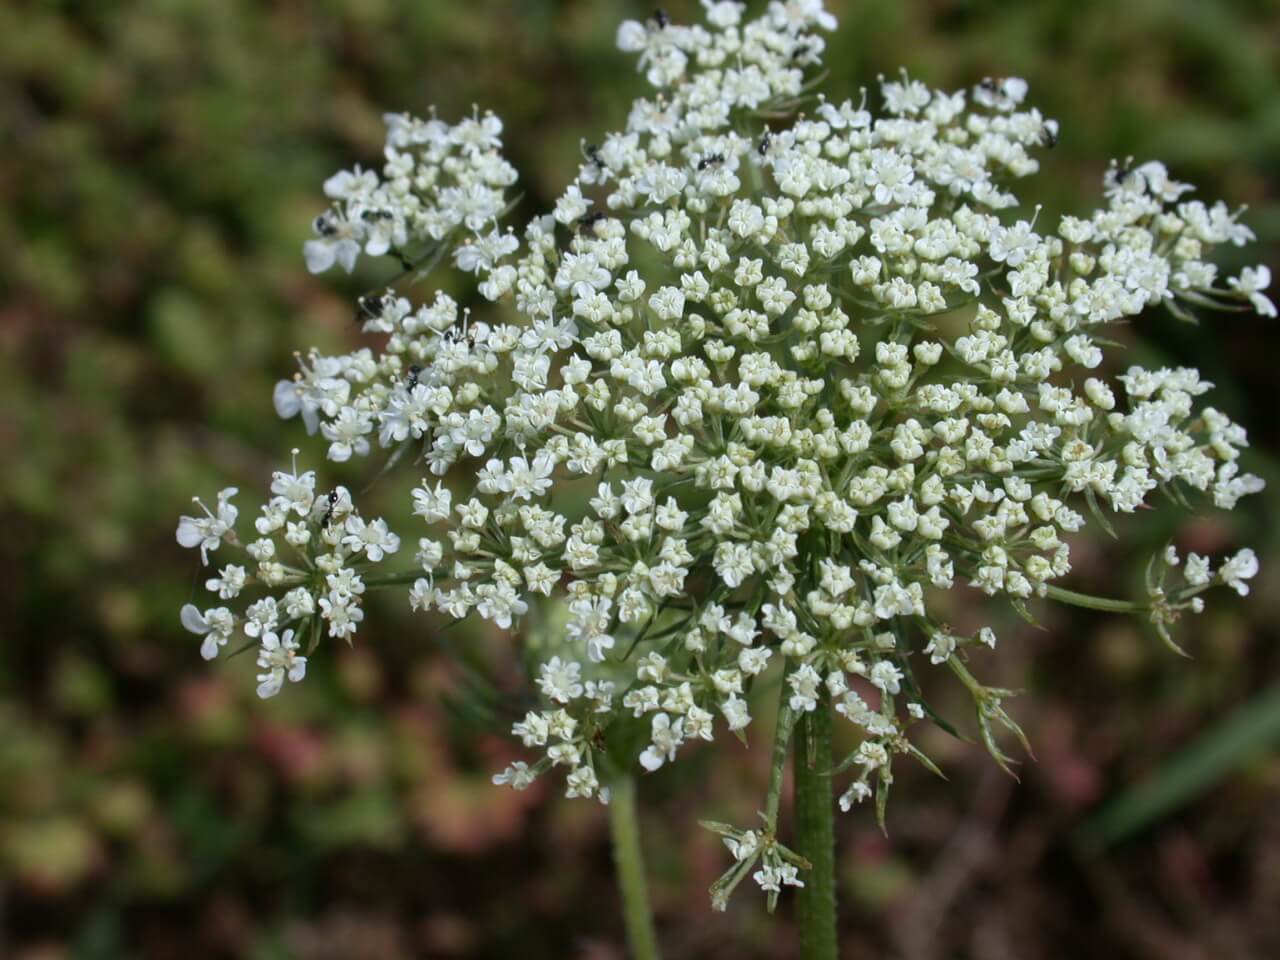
(1230, 745)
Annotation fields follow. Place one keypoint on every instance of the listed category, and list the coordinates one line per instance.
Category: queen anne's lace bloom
(760, 385)
(311, 557)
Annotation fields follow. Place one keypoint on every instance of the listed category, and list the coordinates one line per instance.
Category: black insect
(1049, 134)
(369, 308)
(593, 156)
(463, 335)
(588, 221)
(324, 225)
(411, 380)
(765, 140)
(661, 19)
(370, 215)
(710, 160)
(332, 500)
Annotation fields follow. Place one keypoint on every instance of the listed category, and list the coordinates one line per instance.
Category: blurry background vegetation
(161, 162)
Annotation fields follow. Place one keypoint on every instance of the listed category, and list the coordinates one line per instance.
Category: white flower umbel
(307, 568)
(773, 371)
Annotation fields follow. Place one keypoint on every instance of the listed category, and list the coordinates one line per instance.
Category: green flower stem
(629, 864)
(976, 689)
(395, 579)
(1093, 603)
(815, 828)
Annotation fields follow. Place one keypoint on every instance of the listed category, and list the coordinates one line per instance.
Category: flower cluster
(779, 866)
(440, 185)
(311, 556)
(773, 373)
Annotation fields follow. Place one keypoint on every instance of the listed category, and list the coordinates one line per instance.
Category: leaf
(314, 624)
(1098, 515)
(1003, 760)
(882, 799)
(1162, 631)
(946, 725)
(925, 761)
(1149, 576)
(845, 764)
(1021, 609)
(913, 689)
(715, 826)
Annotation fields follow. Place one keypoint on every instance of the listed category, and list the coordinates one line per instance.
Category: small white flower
(215, 625)
(887, 677)
(1197, 570)
(632, 36)
(342, 613)
(277, 659)
(805, 683)
(581, 782)
(229, 582)
(373, 539)
(940, 648)
(337, 241)
(667, 737)
(858, 791)
(209, 531)
(1236, 570)
(519, 775)
(1251, 282)
(524, 480)
(559, 680)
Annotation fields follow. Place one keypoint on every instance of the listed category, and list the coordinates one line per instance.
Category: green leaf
(882, 797)
(715, 826)
(925, 760)
(1021, 609)
(1098, 515)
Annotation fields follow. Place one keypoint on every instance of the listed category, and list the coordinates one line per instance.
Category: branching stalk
(1090, 602)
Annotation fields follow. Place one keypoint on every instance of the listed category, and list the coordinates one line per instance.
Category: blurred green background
(162, 161)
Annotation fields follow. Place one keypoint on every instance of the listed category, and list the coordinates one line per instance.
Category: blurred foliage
(162, 162)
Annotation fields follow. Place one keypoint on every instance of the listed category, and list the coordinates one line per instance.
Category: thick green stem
(815, 828)
(629, 865)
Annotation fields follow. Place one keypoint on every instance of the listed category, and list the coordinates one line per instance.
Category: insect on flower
(588, 221)
(369, 308)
